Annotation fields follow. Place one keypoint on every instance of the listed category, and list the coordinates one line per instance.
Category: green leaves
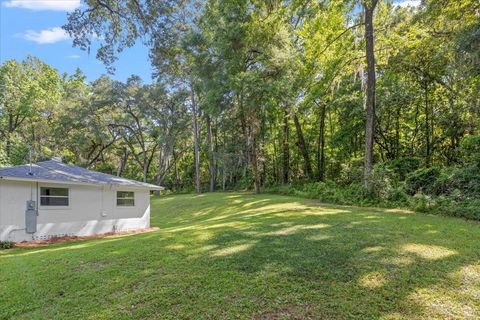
(252, 65)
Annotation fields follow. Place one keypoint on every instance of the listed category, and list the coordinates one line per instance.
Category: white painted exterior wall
(92, 210)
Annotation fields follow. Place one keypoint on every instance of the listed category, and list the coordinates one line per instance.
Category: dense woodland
(360, 102)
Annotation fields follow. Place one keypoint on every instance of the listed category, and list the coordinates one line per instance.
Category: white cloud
(51, 35)
(73, 56)
(56, 5)
(407, 3)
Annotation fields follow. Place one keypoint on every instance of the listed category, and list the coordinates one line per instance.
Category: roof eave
(154, 187)
(149, 187)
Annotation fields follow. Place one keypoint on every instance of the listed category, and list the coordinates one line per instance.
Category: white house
(52, 199)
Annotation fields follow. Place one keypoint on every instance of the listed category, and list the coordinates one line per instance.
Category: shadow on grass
(368, 262)
(247, 256)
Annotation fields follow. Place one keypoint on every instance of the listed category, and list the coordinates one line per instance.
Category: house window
(125, 198)
(53, 196)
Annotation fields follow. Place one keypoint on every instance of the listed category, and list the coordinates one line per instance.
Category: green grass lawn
(230, 255)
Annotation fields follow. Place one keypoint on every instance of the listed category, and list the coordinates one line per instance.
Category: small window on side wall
(125, 198)
(53, 196)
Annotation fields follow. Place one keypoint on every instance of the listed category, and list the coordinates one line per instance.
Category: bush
(352, 172)
(469, 209)
(470, 150)
(244, 183)
(398, 196)
(332, 193)
(422, 180)
(382, 182)
(420, 202)
(444, 182)
(352, 194)
(453, 191)
(402, 167)
(6, 245)
(467, 180)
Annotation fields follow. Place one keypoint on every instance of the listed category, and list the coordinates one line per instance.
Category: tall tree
(27, 89)
(368, 10)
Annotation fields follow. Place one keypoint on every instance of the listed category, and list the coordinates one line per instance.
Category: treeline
(363, 95)
(128, 129)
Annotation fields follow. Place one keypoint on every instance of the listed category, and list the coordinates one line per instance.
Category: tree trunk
(224, 178)
(427, 128)
(164, 161)
(303, 147)
(145, 172)
(256, 173)
(321, 144)
(123, 162)
(175, 166)
(224, 162)
(8, 142)
(211, 155)
(8, 145)
(196, 152)
(246, 150)
(145, 167)
(215, 149)
(370, 99)
(275, 173)
(253, 130)
(286, 149)
(397, 134)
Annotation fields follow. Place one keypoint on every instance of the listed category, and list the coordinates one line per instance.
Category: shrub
(420, 202)
(244, 183)
(453, 191)
(421, 180)
(382, 182)
(443, 197)
(6, 245)
(403, 166)
(444, 182)
(330, 192)
(467, 179)
(470, 150)
(469, 209)
(352, 172)
(398, 196)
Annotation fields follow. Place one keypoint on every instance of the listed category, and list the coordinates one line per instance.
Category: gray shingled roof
(53, 170)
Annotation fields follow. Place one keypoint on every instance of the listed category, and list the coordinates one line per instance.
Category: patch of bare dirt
(37, 243)
(288, 312)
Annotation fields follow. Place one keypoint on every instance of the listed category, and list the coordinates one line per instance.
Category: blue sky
(33, 27)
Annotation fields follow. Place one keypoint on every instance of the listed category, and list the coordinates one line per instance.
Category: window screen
(53, 196)
(125, 198)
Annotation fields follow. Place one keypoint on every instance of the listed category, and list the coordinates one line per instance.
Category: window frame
(125, 198)
(50, 206)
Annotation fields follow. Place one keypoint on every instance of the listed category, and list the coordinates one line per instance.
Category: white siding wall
(92, 210)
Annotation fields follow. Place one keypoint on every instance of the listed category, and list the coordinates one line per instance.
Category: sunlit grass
(373, 280)
(233, 255)
(428, 251)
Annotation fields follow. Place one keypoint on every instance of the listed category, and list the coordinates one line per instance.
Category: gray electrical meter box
(31, 217)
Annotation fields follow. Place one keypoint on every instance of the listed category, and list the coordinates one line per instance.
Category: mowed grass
(233, 255)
